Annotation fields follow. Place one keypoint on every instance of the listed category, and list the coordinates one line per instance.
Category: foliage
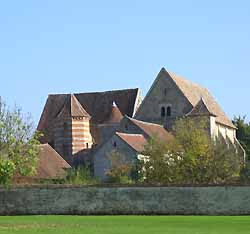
(7, 170)
(80, 176)
(191, 158)
(120, 170)
(18, 144)
(243, 133)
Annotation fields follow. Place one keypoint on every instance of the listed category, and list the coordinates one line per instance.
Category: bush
(120, 170)
(7, 170)
(80, 176)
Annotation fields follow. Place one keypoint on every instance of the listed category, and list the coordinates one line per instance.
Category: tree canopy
(243, 133)
(191, 158)
(18, 144)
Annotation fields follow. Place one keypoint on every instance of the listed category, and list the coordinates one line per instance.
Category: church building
(80, 127)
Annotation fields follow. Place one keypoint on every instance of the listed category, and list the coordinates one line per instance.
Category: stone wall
(125, 200)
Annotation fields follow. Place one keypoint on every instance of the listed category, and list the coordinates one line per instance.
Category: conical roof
(115, 115)
(72, 108)
(201, 109)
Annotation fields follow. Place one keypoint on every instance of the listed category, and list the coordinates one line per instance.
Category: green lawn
(124, 224)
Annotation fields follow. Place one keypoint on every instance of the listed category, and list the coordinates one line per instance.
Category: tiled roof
(72, 108)
(136, 141)
(194, 93)
(153, 130)
(50, 163)
(115, 115)
(98, 105)
(201, 109)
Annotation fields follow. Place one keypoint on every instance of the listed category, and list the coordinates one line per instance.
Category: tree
(120, 170)
(243, 133)
(191, 158)
(18, 144)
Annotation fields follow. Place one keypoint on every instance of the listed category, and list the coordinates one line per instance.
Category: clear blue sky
(78, 46)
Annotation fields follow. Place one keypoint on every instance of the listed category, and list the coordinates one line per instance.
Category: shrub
(80, 176)
(120, 170)
(7, 170)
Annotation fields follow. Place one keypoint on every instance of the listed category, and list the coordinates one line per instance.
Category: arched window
(87, 145)
(163, 112)
(169, 111)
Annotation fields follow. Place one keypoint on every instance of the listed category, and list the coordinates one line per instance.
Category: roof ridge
(98, 92)
(129, 134)
(199, 110)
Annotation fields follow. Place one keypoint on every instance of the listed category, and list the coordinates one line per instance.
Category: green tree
(18, 144)
(243, 133)
(191, 158)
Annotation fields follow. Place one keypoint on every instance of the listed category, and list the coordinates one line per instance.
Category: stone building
(128, 147)
(171, 97)
(74, 124)
(128, 143)
(82, 127)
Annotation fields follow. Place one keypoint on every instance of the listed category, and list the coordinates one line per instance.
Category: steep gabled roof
(115, 115)
(152, 130)
(136, 141)
(72, 108)
(50, 163)
(194, 93)
(201, 109)
(98, 105)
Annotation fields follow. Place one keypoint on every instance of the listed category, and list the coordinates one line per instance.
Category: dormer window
(163, 112)
(169, 111)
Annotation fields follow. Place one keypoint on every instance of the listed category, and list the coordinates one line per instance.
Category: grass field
(124, 225)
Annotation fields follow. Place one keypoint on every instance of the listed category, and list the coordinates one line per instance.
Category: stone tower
(72, 130)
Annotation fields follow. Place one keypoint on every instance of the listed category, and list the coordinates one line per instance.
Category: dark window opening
(126, 127)
(165, 91)
(65, 126)
(163, 112)
(65, 150)
(169, 111)
(115, 144)
(87, 145)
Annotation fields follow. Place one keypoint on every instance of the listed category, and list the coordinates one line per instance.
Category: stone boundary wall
(63, 200)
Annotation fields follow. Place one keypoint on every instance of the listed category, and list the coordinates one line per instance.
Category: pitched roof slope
(72, 108)
(152, 130)
(115, 115)
(50, 163)
(201, 109)
(194, 93)
(98, 105)
(136, 141)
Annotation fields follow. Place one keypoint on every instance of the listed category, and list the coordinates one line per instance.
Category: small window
(65, 150)
(165, 91)
(169, 111)
(163, 112)
(87, 145)
(65, 126)
(115, 144)
(126, 127)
